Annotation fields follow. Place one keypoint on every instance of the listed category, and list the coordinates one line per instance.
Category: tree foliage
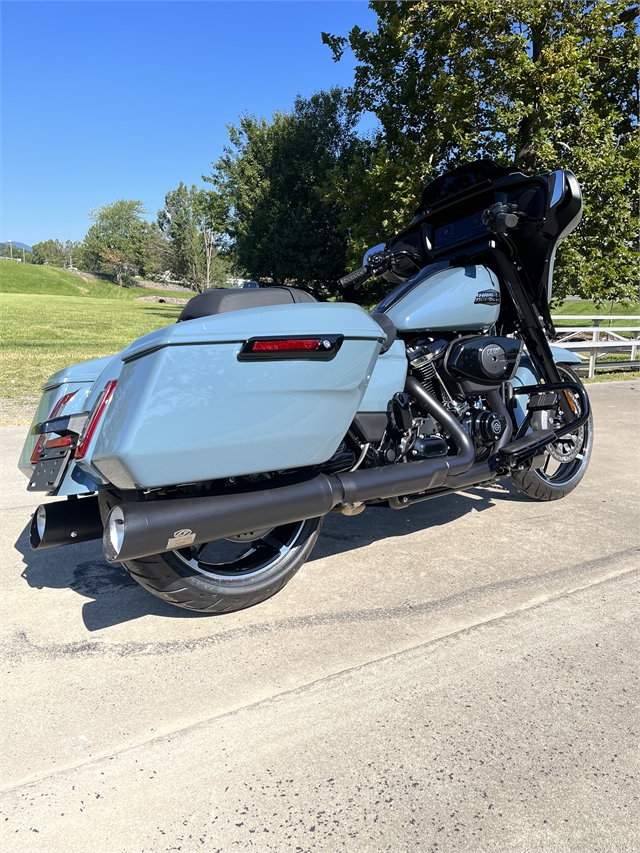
(191, 224)
(115, 243)
(542, 84)
(269, 183)
(58, 254)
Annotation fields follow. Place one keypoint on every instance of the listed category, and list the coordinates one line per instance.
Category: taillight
(40, 443)
(94, 419)
(287, 345)
(318, 347)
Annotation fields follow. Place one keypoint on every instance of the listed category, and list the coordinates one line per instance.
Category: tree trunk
(526, 156)
(207, 238)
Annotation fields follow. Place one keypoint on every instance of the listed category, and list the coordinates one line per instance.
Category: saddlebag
(242, 392)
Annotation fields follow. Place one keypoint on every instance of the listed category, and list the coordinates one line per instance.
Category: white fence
(601, 339)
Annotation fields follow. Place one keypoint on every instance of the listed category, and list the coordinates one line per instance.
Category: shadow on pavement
(340, 534)
(116, 597)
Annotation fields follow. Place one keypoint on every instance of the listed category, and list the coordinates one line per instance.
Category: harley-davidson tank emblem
(488, 297)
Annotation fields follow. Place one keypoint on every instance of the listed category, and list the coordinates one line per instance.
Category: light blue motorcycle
(207, 453)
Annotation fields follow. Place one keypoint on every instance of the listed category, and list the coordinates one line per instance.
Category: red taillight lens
(40, 443)
(287, 345)
(318, 347)
(63, 441)
(94, 419)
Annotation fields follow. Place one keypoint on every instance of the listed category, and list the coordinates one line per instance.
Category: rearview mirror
(379, 248)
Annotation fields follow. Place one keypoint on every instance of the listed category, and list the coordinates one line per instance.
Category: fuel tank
(454, 299)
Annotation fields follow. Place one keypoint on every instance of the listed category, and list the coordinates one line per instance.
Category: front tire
(227, 575)
(556, 477)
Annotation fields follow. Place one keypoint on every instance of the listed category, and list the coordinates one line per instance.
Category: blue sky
(107, 100)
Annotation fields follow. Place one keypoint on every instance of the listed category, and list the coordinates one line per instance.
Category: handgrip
(357, 277)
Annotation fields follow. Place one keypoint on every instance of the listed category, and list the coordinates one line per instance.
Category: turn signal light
(94, 419)
(40, 444)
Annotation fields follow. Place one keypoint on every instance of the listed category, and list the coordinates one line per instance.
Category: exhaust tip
(65, 523)
(114, 533)
(38, 527)
(41, 520)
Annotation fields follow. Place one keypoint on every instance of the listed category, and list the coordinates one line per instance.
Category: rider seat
(221, 300)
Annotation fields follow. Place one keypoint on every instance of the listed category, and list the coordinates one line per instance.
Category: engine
(459, 372)
(482, 362)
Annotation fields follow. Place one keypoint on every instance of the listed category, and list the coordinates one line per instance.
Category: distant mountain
(17, 245)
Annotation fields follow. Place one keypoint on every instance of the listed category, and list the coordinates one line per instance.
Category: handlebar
(357, 277)
(378, 263)
(500, 217)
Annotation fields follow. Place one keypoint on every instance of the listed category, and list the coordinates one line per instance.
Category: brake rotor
(251, 535)
(567, 448)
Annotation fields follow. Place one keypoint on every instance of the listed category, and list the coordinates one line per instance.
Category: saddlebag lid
(315, 318)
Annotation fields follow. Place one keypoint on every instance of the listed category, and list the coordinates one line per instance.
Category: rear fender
(79, 380)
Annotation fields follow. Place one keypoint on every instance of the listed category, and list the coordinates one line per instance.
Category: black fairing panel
(448, 224)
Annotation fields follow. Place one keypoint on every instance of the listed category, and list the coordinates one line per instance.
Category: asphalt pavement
(459, 676)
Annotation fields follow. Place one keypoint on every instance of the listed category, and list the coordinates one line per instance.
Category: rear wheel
(229, 574)
(564, 463)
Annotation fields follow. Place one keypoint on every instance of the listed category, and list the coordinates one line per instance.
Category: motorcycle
(207, 453)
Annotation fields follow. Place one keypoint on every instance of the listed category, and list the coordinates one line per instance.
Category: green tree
(49, 252)
(541, 84)
(115, 243)
(178, 222)
(269, 185)
(72, 252)
(158, 252)
(191, 225)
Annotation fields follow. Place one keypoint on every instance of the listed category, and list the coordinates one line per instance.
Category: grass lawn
(43, 334)
(613, 376)
(51, 281)
(50, 318)
(587, 307)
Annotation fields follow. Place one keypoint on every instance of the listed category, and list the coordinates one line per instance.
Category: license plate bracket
(50, 469)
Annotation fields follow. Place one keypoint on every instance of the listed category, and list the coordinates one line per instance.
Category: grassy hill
(51, 281)
(50, 318)
(43, 334)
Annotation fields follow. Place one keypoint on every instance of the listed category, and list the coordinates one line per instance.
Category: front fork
(532, 328)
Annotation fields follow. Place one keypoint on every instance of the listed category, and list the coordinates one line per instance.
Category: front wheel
(565, 461)
(229, 574)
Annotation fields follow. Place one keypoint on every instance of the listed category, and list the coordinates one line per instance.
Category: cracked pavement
(457, 676)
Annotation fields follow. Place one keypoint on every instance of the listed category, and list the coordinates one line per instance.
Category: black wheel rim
(227, 558)
(554, 471)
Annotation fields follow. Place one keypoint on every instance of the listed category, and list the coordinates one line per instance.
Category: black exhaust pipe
(136, 530)
(483, 471)
(65, 523)
(395, 480)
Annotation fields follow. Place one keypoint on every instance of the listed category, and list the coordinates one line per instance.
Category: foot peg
(524, 448)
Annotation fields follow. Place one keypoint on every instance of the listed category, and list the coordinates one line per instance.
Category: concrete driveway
(458, 676)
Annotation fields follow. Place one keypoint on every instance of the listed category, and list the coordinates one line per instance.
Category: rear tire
(228, 575)
(554, 479)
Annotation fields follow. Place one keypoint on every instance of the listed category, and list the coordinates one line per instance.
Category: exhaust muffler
(65, 523)
(136, 530)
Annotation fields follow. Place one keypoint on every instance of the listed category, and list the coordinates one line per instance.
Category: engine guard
(530, 445)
